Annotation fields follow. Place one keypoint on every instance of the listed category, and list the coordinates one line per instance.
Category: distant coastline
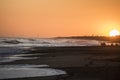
(115, 39)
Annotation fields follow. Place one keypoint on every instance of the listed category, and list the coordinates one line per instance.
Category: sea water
(5, 42)
(24, 71)
(12, 49)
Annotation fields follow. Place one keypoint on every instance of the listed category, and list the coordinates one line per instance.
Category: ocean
(12, 49)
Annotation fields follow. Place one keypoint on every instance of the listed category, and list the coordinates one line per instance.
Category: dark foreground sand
(80, 63)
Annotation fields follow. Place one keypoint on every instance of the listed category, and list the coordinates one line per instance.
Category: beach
(60, 40)
(79, 62)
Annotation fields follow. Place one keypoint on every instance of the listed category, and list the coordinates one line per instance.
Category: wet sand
(80, 63)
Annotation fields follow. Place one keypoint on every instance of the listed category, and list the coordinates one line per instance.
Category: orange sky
(50, 18)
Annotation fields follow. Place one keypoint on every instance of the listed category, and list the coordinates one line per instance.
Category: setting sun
(114, 33)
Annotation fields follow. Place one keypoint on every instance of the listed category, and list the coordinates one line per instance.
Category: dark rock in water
(12, 42)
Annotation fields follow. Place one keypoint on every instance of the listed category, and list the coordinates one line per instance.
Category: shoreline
(85, 63)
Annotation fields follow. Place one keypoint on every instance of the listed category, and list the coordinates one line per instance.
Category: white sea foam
(11, 59)
(23, 66)
(28, 71)
(11, 42)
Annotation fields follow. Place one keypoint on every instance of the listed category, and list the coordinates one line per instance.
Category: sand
(80, 63)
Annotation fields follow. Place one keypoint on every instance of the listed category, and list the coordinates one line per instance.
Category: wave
(46, 42)
(11, 41)
(18, 71)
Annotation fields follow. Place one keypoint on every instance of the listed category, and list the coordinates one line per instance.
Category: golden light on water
(114, 32)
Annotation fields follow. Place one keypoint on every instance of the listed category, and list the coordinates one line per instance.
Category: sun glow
(114, 33)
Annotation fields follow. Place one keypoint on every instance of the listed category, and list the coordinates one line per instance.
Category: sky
(56, 18)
